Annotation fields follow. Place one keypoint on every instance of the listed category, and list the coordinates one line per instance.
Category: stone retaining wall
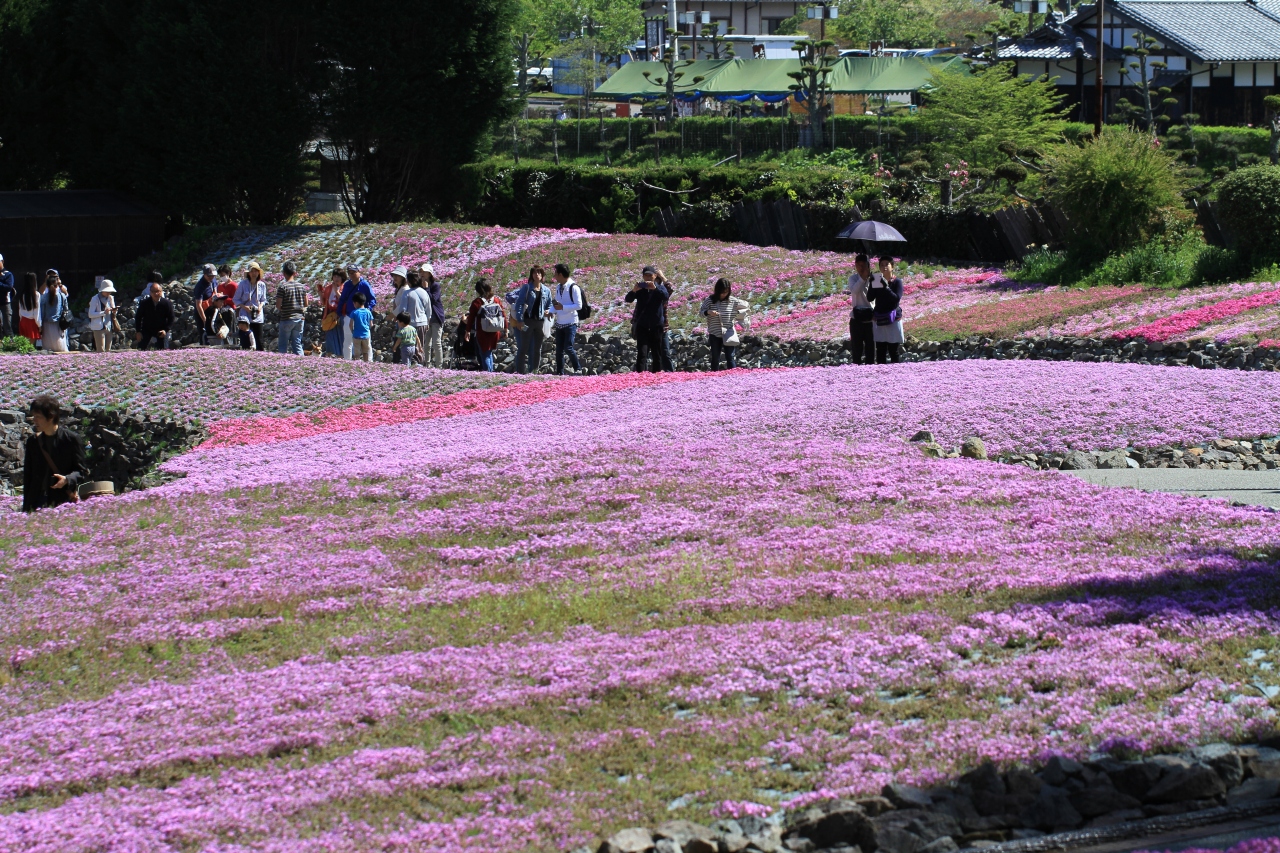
(121, 447)
(986, 807)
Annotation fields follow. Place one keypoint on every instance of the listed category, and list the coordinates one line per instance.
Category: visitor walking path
(1256, 488)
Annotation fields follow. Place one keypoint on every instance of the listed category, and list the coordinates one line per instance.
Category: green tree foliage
(1249, 205)
(606, 27)
(94, 94)
(414, 96)
(207, 108)
(970, 116)
(1119, 190)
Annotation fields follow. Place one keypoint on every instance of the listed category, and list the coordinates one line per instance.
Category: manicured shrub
(1249, 205)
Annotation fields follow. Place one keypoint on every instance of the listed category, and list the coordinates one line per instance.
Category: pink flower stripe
(267, 430)
(1178, 324)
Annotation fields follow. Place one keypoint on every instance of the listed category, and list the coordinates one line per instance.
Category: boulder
(832, 822)
(1197, 782)
(1052, 811)
(637, 839)
(1265, 764)
(923, 435)
(1135, 779)
(1254, 790)
(906, 796)
(1114, 459)
(691, 837)
(1057, 769)
(892, 840)
(973, 448)
(945, 844)
(1078, 460)
(1096, 801)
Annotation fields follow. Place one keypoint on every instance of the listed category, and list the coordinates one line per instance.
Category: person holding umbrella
(885, 296)
(861, 337)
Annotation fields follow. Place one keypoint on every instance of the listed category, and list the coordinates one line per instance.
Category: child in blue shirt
(361, 321)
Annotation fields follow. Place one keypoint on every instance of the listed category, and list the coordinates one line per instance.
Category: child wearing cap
(246, 335)
(406, 342)
(361, 323)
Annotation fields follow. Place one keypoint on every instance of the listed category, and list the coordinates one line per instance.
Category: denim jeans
(529, 354)
(290, 332)
(485, 357)
(730, 353)
(565, 336)
(408, 355)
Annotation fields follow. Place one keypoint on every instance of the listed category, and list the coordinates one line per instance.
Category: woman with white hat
(102, 312)
(251, 299)
(399, 281)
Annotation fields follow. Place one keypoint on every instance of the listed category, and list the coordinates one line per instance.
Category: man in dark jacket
(650, 317)
(8, 302)
(45, 485)
(154, 318)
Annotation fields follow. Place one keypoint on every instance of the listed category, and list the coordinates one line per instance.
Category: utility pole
(1099, 81)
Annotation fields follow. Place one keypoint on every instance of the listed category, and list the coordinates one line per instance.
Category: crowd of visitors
(233, 314)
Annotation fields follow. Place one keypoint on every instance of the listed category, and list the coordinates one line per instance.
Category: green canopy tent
(629, 80)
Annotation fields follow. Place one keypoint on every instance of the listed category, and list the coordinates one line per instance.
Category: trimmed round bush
(1249, 206)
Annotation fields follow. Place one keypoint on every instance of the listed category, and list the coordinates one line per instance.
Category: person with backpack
(722, 310)
(486, 321)
(570, 305)
(55, 464)
(650, 313)
(202, 296)
(529, 318)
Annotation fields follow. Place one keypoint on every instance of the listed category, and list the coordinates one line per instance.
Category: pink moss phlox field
(265, 430)
(1179, 324)
(329, 642)
(215, 384)
(1039, 406)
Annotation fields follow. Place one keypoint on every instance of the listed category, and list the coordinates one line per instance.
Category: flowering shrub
(535, 620)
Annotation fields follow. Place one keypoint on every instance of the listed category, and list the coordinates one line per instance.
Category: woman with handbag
(862, 341)
(723, 310)
(55, 313)
(486, 321)
(885, 296)
(330, 317)
(55, 464)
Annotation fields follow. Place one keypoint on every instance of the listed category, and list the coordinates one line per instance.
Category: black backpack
(585, 311)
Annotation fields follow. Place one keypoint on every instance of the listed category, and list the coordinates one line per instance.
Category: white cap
(106, 286)
(427, 268)
(1, 259)
(400, 271)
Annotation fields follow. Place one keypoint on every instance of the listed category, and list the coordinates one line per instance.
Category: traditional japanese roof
(1207, 30)
(1056, 40)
